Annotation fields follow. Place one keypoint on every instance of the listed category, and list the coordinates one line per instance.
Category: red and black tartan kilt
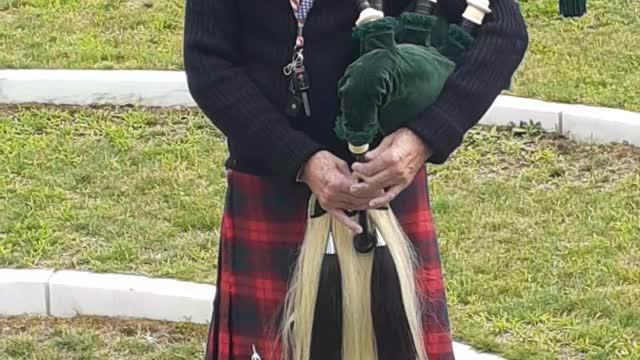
(262, 227)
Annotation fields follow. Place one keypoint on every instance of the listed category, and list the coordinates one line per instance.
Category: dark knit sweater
(235, 50)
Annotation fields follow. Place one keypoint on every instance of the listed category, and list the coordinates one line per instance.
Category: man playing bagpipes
(268, 78)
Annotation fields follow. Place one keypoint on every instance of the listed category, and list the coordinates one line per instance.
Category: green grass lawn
(110, 191)
(99, 339)
(593, 60)
(539, 235)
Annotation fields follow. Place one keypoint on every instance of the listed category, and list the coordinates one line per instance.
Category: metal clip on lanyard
(298, 77)
(298, 86)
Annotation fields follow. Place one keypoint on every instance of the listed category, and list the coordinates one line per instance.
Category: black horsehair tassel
(326, 336)
(393, 334)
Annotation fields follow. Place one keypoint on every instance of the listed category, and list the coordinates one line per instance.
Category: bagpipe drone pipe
(356, 296)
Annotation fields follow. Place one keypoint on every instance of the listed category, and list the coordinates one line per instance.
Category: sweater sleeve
(500, 45)
(222, 88)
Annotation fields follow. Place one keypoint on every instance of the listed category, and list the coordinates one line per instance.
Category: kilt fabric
(262, 227)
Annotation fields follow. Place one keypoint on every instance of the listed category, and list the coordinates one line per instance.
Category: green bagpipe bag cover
(397, 76)
(433, 31)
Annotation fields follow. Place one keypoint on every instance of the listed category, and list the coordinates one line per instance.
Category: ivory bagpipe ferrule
(368, 13)
(474, 14)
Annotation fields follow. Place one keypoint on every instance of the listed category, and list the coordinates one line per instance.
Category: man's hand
(392, 166)
(330, 180)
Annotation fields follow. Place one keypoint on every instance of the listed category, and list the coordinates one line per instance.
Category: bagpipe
(355, 297)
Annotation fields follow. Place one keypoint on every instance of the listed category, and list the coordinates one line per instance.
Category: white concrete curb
(72, 293)
(24, 292)
(91, 87)
(466, 352)
(580, 122)
(169, 88)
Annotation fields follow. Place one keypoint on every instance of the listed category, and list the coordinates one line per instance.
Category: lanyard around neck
(300, 9)
(295, 70)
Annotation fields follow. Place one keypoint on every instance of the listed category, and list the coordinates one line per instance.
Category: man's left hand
(391, 166)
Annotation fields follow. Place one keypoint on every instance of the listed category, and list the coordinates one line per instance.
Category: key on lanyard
(299, 86)
(298, 76)
(293, 106)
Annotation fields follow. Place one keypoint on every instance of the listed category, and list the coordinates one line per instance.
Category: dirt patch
(157, 332)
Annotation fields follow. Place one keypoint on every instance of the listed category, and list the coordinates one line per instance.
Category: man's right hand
(330, 180)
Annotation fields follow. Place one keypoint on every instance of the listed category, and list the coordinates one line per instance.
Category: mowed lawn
(592, 60)
(539, 235)
(110, 190)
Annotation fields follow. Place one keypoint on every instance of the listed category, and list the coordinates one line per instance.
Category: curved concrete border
(169, 89)
(67, 294)
(95, 87)
(579, 122)
(70, 293)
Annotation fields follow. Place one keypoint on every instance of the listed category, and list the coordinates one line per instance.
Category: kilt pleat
(262, 226)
